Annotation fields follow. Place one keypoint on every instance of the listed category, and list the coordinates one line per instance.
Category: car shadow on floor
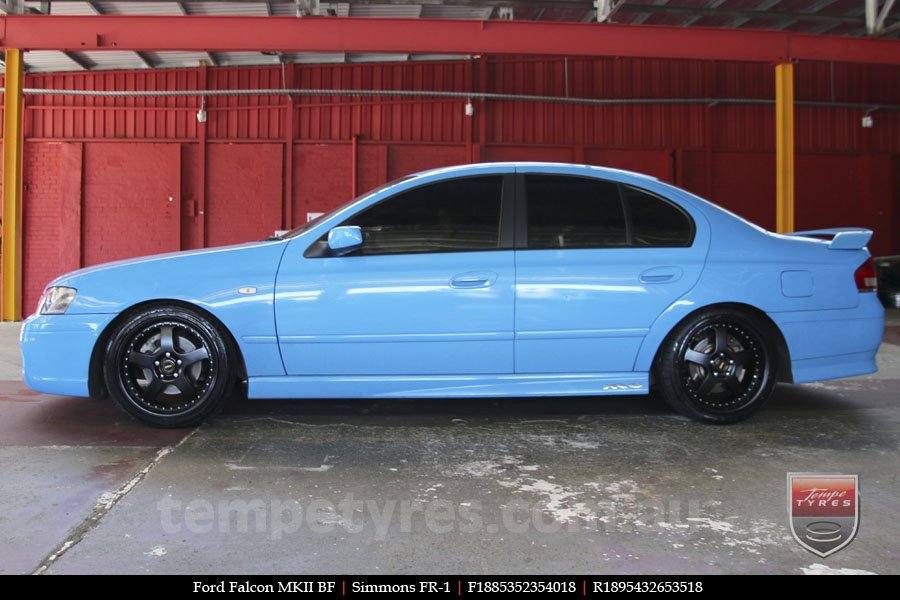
(29, 418)
(786, 399)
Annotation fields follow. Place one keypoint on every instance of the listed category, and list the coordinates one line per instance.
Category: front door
(429, 293)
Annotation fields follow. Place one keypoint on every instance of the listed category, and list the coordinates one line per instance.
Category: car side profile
(524, 279)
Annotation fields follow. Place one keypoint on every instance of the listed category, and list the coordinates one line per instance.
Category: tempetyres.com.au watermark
(278, 518)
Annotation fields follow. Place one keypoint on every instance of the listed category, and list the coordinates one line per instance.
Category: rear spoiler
(842, 238)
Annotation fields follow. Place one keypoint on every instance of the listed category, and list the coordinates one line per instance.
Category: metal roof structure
(832, 17)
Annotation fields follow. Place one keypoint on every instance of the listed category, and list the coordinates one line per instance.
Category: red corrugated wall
(99, 172)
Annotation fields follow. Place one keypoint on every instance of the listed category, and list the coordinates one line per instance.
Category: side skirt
(448, 386)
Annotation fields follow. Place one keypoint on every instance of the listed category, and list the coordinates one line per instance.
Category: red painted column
(288, 124)
(708, 152)
(200, 219)
(678, 170)
(710, 85)
(483, 106)
(354, 166)
(469, 124)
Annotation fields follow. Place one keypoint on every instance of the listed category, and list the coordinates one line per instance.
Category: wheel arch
(783, 371)
(96, 387)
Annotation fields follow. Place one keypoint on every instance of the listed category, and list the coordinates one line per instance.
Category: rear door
(596, 263)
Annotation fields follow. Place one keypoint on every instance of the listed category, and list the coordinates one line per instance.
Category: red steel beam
(440, 36)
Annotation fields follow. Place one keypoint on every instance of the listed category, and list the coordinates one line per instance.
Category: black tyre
(718, 366)
(168, 367)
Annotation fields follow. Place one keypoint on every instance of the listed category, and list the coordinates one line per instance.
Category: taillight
(866, 277)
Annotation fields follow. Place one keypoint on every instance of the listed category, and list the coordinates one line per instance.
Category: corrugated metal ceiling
(838, 17)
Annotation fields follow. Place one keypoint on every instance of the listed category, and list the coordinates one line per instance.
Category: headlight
(55, 300)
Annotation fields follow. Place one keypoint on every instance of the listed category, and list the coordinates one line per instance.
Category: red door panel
(243, 198)
(131, 200)
(51, 240)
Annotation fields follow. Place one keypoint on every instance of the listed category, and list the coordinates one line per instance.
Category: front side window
(574, 212)
(448, 216)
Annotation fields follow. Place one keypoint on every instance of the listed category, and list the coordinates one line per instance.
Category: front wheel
(718, 366)
(168, 367)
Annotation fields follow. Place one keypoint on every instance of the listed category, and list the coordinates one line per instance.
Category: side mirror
(343, 240)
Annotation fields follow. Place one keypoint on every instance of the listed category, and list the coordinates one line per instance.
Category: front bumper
(56, 351)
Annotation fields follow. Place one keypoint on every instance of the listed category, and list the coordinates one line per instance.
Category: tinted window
(574, 212)
(449, 216)
(656, 222)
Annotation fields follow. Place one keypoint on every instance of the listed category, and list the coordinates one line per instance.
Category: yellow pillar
(11, 283)
(784, 147)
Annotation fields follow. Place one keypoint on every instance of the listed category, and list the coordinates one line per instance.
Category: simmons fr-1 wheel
(168, 367)
(718, 367)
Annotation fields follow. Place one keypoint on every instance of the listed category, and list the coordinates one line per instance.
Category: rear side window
(654, 222)
(448, 216)
(574, 212)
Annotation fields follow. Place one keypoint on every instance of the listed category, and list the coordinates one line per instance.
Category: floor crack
(104, 504)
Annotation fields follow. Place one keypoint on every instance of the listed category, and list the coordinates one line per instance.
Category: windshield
(313, 222)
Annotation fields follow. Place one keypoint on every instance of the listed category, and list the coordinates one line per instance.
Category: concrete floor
(617, 485)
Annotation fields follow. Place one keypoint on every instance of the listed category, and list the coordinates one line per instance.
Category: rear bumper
(828, 344)
(56, 351)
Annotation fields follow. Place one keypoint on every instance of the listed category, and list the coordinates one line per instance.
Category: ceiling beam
(18, 7)
(429, 36)
(811, 9)
(99, 12)
(891, 29)
(210, 57)
(80, 62)
(642, 11)
(762, 7)
(881, 17)
(642, 17)
(12, 7)
(690, 20)
(775, 15)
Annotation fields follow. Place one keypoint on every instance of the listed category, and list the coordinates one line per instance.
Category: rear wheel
(168, 367)
(718, 366)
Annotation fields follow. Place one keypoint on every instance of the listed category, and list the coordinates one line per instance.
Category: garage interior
(135, 128)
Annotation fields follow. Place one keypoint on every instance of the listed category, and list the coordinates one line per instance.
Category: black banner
(456, 586)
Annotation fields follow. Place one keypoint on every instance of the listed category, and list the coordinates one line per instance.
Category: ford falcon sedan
(514, 280)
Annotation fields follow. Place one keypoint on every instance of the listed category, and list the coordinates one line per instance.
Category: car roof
(536, 167)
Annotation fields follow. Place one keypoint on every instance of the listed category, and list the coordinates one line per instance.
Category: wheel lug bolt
(179, 362)
(167, 354)
(156, 363)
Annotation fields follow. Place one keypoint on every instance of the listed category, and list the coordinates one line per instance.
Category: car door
(597, 262)
(430, 292)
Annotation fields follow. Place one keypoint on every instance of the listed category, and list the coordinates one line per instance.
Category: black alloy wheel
(168, 367)
(717, 367)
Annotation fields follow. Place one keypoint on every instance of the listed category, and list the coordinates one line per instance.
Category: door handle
(661, 275)
(473, 280)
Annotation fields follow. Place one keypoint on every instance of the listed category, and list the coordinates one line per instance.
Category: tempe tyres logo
(823, 510)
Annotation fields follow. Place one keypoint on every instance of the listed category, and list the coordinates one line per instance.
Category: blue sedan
(527, 279)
